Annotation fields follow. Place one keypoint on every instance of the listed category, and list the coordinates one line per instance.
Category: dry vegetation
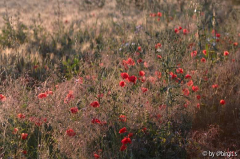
(119, 79)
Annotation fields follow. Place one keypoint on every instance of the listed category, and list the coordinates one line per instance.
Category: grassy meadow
(119, 79)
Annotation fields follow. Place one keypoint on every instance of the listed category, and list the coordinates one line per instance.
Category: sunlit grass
(134, 79)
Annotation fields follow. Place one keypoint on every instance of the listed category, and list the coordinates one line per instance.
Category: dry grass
(81, 60)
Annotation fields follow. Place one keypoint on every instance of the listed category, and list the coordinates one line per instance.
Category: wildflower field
(119, 79)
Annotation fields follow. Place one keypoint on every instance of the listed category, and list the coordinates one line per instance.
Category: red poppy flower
(226, 53)
(123, 118)
(137, 53)
(123, 130)
(164, 81)
(186, 104)
(190, 83)
(139, 61)
(198, 97)
(144, 89)
(124, 75)
(176, 30)
(218, 35)
(213, 32)
(95, 120)
(130, 135)
(198, 106)
(188, 76)
(194, 53)
(235, 44)
(132, 79)
(158, 74)
(35, 67)
(139, 48)
(203, 60)
(204, 52)
(42, 95)
(96, 156)
(95, 104)
(123, 147)
(141, 73)
(24, 152)
(143, 79)
(44, 119)
(69, 97)
(152, 14)
(70, 132)
(159, 14)
(125, 64)
(24, 136)
(185, 31)
(32, 119)
(195, 88)
(179, 70)
(144, 130)
(159, 56)
(222, 102)
(162, 107)
(79, 80)
(100, 95)
(159, 116)
(88, 77)
(15, 130)
(126, 140)
(178, 80)
(101, 64)
(70, 94)
(38, 123)
(74, 110)
(21, 116)
(130, 61)
(185, 91)
(122, 84)
(2, 98)
(214, 86)
(145, 64)
(172, 75)
(158, 45)
(179, 28)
